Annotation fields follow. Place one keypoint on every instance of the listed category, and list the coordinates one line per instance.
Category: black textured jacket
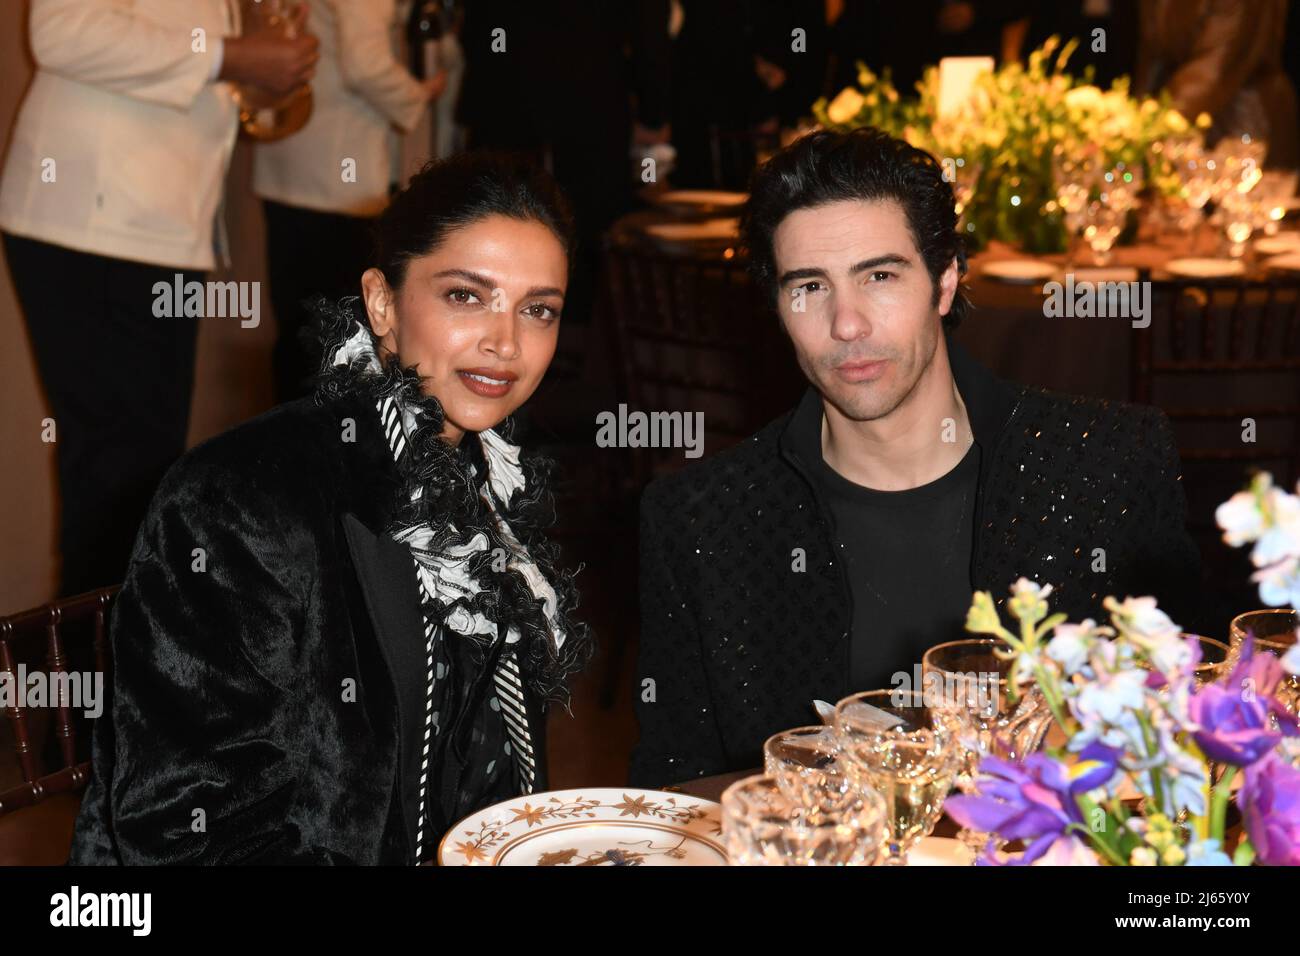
(228, 691)
(738, 643)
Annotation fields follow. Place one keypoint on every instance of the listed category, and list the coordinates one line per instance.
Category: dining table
(1007, 329)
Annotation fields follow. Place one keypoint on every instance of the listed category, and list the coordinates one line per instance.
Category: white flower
(1271, 518)
(1240, 518)
(1140, 617)
(1071, 644)
(1279, 584)
(1106, 707)
(1168, 653)
(504, 474)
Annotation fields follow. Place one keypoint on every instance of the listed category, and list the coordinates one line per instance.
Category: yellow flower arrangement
(1009, 126)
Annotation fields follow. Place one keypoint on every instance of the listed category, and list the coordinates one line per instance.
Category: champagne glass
(897, 745)
(1240, 214)
(1105, 222)
(762, 826)
(1075, 176)
(264, 117)
(1275, 187)
(1274, 629)
(1196, 175)
(968, 677)
(1120, 185)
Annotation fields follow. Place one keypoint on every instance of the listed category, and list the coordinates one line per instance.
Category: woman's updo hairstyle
(458, 191)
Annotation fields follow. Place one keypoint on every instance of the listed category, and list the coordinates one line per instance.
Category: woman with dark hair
(342, 625)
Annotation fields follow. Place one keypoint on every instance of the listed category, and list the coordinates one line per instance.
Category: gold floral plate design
(596, 826)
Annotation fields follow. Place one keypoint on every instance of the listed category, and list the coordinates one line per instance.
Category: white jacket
(122, 142)
(340, 160)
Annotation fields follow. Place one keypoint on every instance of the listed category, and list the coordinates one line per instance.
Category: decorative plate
(595, 826)
(1019, 270)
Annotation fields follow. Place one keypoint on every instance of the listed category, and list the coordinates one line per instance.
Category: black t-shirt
(908, 560)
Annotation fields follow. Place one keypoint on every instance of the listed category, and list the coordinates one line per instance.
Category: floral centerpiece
(1005, 133)
(1128, 702)
(1126, 699)
(1270, 518)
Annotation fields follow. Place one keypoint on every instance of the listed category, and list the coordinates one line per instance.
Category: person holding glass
(111, 186)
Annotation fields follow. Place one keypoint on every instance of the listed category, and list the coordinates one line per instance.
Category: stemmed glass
(1240, 214)
(1275, 187)
(1105, 223)
(1274, 629)
(969, 678)
(1197, 176)
(1117, 192)
(905, 750)
(1075, 177)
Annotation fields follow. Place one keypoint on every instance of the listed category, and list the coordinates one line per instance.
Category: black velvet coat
(268, 658)
(739, 641)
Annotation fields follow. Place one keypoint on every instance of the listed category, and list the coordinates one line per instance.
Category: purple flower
(1233, 718)
(1032, 800)
(1270, 801)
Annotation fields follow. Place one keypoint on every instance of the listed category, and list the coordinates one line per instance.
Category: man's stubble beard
(863, 403)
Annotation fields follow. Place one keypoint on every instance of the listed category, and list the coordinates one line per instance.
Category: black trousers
(118, 380)
(309, 254)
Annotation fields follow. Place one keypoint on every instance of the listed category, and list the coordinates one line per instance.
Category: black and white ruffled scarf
(459, 517)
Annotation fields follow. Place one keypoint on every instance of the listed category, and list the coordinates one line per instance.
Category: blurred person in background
(572, 84)
(735, 89)
(112, 184)
(908, 37)
(1117, 53)
(322, 186)
(1223, 57)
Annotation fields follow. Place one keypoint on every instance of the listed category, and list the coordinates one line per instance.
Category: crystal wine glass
(968, 677)
(1075, 177)
(1105, 223)
(762, 826)
(905, 750)
(1275, 630)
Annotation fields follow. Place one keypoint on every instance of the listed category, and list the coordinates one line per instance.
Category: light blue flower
(1071, 644)
(1206, 853)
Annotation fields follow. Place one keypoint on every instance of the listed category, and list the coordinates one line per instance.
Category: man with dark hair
(826, 554)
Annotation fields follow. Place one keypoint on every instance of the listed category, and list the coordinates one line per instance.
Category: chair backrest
(692, 334)
(1220, 352)
(70, 636)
